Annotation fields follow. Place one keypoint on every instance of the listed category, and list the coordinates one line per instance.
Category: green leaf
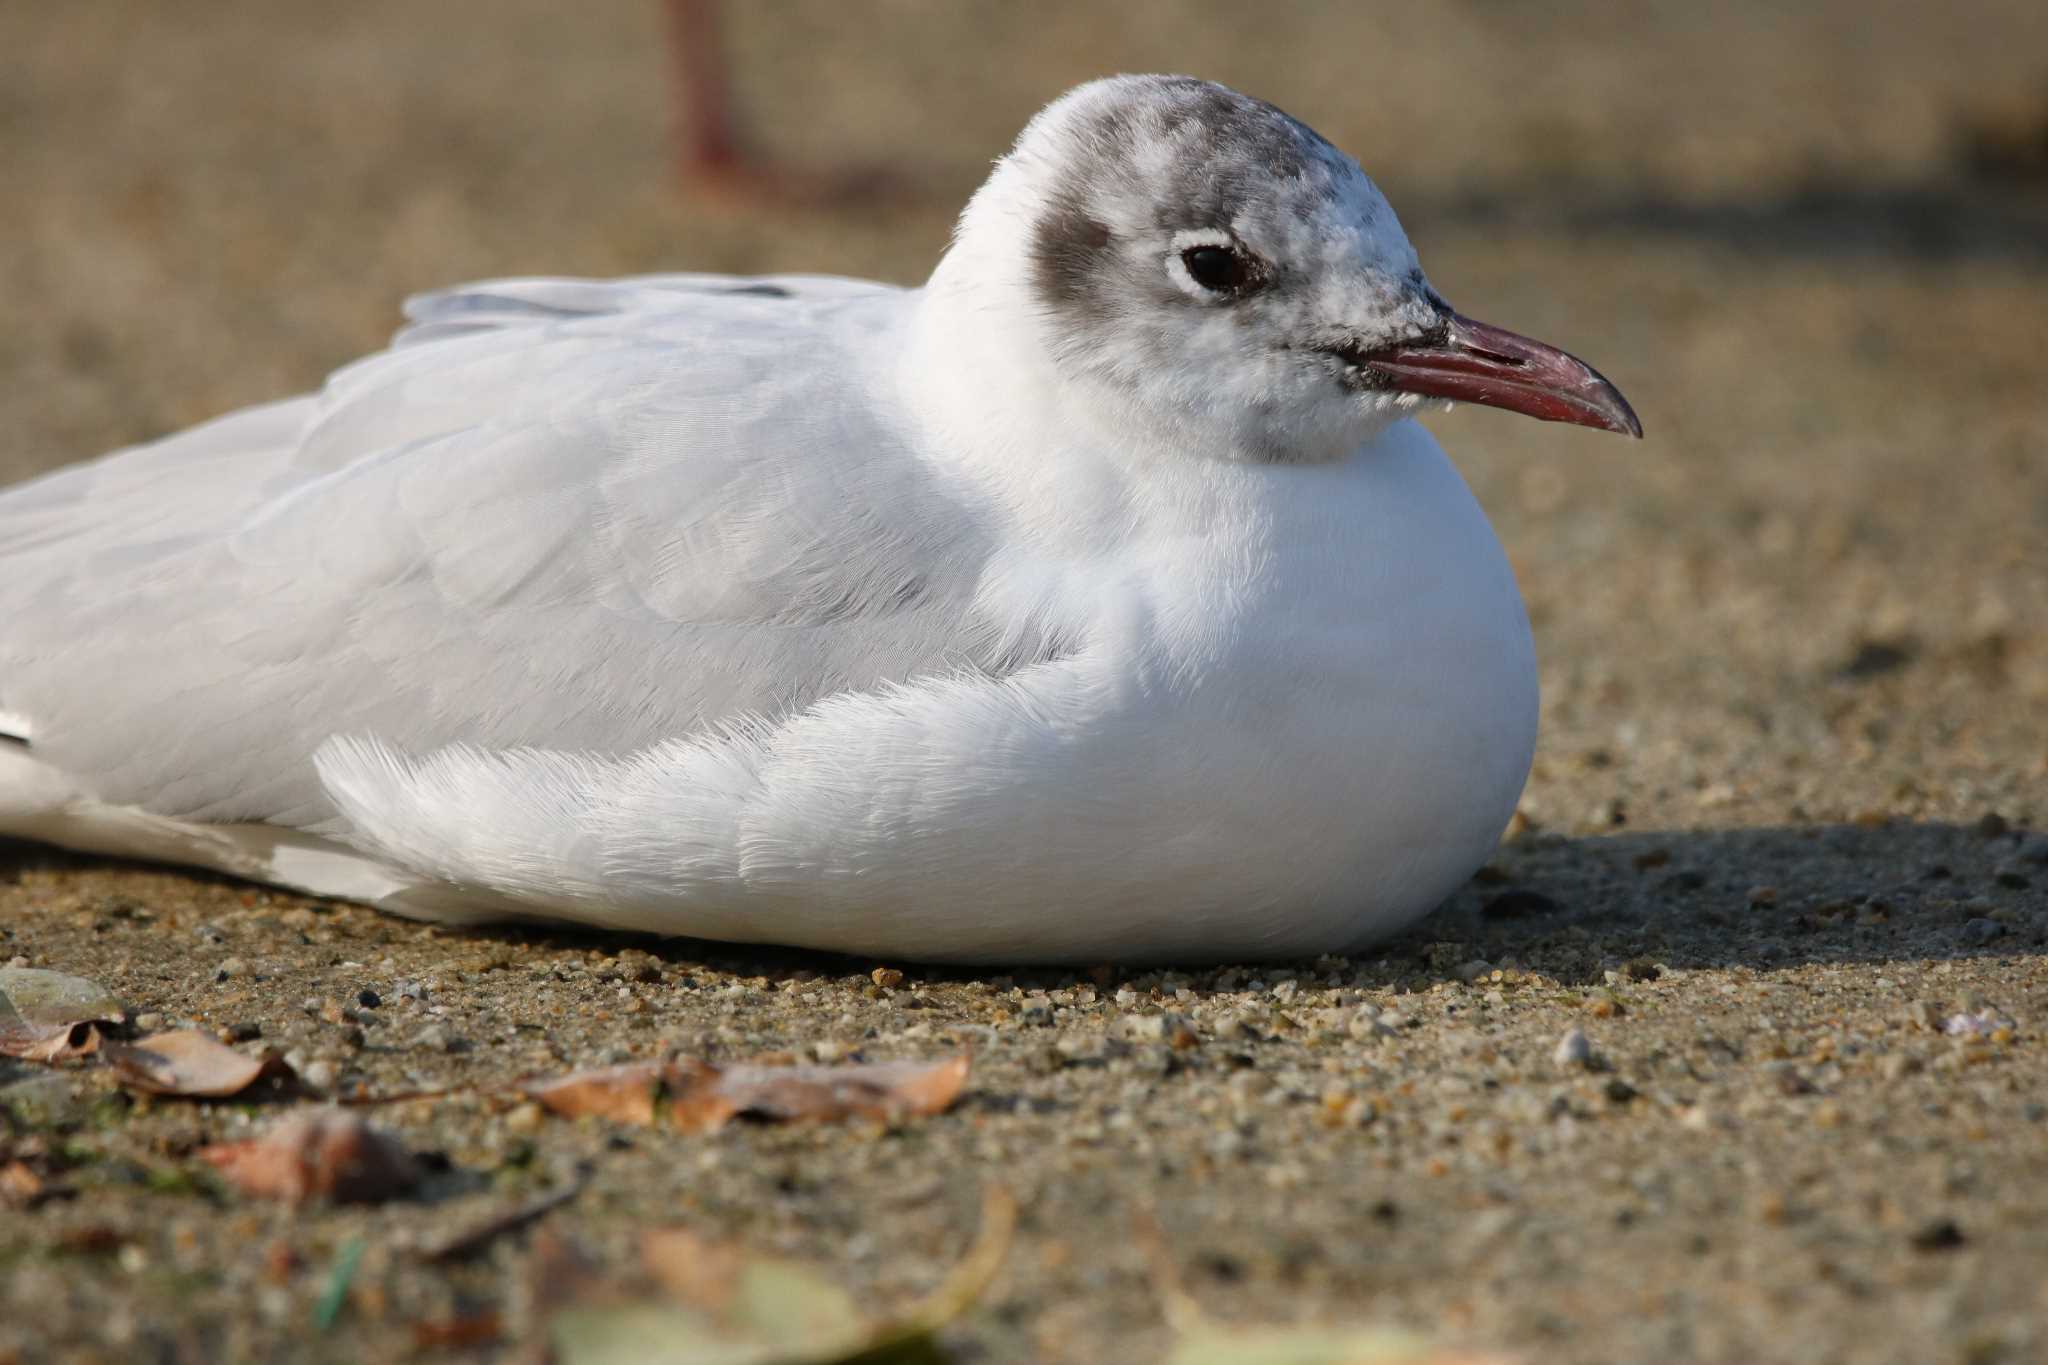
(725, 1307)
(779, 1314)
(1208, 1344)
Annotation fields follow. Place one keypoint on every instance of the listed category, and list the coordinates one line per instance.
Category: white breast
(1293, 735)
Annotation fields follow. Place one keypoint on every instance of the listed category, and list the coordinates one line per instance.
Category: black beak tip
(1626, 421)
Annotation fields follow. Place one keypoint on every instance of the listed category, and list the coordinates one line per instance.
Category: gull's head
(1219, 273)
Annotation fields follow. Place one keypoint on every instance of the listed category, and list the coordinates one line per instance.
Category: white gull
(1097, 601)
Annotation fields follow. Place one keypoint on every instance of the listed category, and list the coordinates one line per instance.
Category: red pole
(707, 142)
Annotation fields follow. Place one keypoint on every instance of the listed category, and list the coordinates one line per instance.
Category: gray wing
(570, 514)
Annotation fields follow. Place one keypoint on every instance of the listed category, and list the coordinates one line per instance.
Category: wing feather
(581, 516)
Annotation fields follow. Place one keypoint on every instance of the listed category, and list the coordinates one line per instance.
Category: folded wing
(578, 515)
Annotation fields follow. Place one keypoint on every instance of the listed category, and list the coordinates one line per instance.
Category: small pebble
(233, 967)
(1982, 931)
(320, 1074)
(1609, 814)
(1982, 1024)
(888, 978)
(1044, 1060)
(1518, 905)
(1363, 1025)
(1574, 1049)
(151, 1022)
(1939, 1234)
(1143, 1028)
(369, 1000)
(1788, 1080)
(1763, 895)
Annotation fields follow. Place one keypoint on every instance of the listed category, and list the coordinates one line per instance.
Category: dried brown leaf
(624, 1094)
(20, 1186)
(460, 1333)
(1309, 1345)
(724, 1304)
(705, 1096)
(694, 1270)
(328, 1154)
(94, 1239)
(190, 1063)
(49, 1016)
(562, 1275)
(79, 1040)
(469, 1240)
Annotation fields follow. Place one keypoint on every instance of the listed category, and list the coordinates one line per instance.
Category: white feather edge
(43, 804)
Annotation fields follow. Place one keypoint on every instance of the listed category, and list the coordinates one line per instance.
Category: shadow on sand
(1576, 908)
(1762, 899)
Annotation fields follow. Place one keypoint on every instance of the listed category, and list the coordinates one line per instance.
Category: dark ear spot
(1069, 252)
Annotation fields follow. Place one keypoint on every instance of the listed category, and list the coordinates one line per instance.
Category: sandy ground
(1795, 655)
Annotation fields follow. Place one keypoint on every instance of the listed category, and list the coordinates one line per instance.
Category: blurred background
(1805, 623)
(1812, 247)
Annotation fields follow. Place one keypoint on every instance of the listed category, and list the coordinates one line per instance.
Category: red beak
(1475, 363)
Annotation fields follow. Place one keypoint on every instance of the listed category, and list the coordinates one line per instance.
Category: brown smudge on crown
(1227, 156)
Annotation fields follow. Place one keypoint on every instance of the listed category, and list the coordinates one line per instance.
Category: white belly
(1298, 740)
(1305, 751)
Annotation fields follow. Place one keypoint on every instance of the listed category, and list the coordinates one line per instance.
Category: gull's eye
(1217, 268)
